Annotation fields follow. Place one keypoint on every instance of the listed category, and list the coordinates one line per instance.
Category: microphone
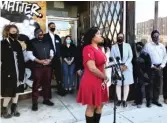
(112, 63)
(119, 62)
(118, 59)
(111, 59)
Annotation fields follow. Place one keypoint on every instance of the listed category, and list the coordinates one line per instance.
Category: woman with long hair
(93, 89)
(68, 56)
(12, 69)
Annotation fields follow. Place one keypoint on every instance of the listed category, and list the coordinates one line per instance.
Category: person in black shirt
(165, 82)
(68, 57)
(12, 70)
(79, 61)
(41, 53)
(143, 75)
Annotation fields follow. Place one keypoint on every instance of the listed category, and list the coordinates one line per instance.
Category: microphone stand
(115, 84)
(122, 87)
(114, 79)
(114, 70)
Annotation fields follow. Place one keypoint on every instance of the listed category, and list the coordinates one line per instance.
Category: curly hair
(5, 32)
(89, 35)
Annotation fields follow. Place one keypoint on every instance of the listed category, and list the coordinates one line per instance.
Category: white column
(156, 16)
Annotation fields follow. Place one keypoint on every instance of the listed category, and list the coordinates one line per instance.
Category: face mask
(52, 29)
(40, 36)
(155, 39)
(120, 40)
(139, 48)
(68, 41)
(13, 35)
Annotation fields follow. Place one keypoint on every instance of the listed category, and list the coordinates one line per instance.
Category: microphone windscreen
(111, 59)
(117, 58)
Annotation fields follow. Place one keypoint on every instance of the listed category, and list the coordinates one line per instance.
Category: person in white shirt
(158, 56)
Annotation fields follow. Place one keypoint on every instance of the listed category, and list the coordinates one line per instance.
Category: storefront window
(106, 15)
(144, 20)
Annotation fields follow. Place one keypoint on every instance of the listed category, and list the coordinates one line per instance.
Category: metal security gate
(108, 16)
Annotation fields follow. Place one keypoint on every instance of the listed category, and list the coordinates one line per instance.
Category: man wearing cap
(41, 53)
(158, 55)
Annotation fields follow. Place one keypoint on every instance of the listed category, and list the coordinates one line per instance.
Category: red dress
(90, 90)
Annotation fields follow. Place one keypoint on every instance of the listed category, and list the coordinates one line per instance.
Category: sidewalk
(66, 110)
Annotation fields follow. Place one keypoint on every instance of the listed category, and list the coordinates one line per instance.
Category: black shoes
(124, 103)
(14, 112)
(119, 103)
(157, 104)
(48, 103)
(89, 119)
(97, 117)
(45, 102)
(35, 106)
(4, 113)
(71, 91)
(148, 104)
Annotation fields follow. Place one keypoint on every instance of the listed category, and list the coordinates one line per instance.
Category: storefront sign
(27, 8)
(26, 15)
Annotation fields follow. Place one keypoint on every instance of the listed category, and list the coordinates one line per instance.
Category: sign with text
(26, 15)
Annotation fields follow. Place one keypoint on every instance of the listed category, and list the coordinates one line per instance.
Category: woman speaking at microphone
(124, 52)
(93, 89)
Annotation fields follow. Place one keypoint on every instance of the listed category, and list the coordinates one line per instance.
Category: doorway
(64, 27)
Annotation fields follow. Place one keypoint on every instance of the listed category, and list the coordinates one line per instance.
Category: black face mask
(120, 40)
(52, 29)
(155, 39)
(14, 36)
(139, 48)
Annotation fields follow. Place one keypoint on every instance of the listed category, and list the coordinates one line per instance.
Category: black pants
(165, 83)
(140, 89)
(56, 66)
(156, 79)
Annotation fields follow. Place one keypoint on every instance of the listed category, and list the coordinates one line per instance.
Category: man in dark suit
(55, 42)
(165, 82)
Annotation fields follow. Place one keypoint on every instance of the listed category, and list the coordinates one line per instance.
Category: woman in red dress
(93, 90)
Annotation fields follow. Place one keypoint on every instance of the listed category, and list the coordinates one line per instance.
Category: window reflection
(144, 20)
(63, 28)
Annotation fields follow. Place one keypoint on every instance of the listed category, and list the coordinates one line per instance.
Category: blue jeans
(68, 72)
